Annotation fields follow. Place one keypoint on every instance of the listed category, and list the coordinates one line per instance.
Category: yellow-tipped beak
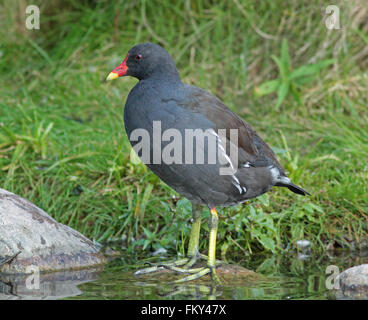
(112, 76)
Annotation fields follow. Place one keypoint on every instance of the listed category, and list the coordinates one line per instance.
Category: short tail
(293, 187)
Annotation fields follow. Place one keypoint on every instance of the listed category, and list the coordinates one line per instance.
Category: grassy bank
(62, 139)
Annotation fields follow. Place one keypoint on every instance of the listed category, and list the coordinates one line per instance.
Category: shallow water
(283, 277)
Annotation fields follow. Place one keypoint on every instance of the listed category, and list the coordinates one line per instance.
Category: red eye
(138, 57)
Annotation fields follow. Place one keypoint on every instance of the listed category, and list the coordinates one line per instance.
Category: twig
(149, 29)
(256, 29)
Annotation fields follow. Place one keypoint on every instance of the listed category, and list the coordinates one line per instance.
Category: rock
(40, 240)
(353, 283)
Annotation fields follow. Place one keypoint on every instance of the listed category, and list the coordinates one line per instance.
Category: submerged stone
(229, 274)
(30, 238)
(353, 283)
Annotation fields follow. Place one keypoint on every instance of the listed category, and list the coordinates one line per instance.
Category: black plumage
(161, 96)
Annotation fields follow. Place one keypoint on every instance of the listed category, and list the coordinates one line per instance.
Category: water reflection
(52, 286)
(283, 277)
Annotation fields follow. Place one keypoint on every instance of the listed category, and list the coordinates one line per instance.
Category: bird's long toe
(161, 266)
(199, 273)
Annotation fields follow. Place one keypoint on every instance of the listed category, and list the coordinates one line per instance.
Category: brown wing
(251, 147)
(213, 109)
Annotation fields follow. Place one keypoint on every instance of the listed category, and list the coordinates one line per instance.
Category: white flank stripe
(238, 187)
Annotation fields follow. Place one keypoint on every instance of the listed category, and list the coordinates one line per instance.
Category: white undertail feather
(276, 177)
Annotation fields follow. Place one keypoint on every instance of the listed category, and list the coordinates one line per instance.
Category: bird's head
(143, 61)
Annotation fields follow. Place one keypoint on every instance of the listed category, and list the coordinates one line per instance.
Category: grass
(62, 139)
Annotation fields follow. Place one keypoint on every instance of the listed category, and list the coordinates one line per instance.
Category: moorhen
(161, 112)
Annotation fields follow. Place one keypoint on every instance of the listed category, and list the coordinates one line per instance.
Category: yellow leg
(211, 261)
(193, 253)
(194, 233)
